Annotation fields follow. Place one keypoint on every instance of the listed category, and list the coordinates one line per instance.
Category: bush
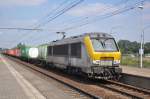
(134, 61)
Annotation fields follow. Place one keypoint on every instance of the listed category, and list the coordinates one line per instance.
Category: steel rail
(128, 90)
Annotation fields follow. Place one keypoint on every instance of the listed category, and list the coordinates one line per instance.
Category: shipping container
(29, 52)
(42, 52)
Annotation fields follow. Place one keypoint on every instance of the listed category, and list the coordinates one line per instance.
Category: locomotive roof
(98, 34)
(80, 38)
(93, 34)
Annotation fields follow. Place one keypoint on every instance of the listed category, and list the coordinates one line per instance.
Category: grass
(135, 61)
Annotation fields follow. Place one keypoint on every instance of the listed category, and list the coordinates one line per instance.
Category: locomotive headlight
(96, 61)
(116, 62)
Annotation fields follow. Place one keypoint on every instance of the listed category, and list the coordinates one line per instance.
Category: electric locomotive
(95, 55)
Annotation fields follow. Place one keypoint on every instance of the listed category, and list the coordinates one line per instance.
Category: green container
(42, 52)
(25, 52)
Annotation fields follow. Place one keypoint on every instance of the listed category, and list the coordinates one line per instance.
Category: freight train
(94, 55)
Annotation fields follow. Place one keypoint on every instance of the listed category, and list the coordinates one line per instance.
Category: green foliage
(147, 47)
(20, 45)
(128, 47)
(127, 60)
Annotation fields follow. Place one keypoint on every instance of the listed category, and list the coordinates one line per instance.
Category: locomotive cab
(104, 54)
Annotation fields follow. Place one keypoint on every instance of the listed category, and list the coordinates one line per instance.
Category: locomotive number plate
(106, 63)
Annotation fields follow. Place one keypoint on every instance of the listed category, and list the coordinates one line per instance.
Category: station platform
(13, 85)
(144, 72)
(17, 82)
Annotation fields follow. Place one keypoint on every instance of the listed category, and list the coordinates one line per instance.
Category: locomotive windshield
(104, 44)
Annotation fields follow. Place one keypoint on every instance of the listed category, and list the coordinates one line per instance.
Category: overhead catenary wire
(83, 19)
(73, 22)
(102, 17)
(65, 9)
(62, 11)
(50, 13)
(87, 22)
(71, 5)
(35, 26)
(27, 29)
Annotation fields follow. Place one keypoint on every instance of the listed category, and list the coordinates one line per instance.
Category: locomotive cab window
(104, 44)
(76, 50)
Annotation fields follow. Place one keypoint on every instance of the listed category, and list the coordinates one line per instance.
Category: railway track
(131, 91)
(92, 89)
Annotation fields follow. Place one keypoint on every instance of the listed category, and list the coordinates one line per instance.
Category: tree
(128, 47)
(147, 48)
(20, 45)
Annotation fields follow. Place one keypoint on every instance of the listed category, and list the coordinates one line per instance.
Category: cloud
(90, 9)
(146, 17)
(147, 5)
(146, 14)
(21, 2)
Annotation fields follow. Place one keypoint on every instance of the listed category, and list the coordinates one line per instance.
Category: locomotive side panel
(59, 55)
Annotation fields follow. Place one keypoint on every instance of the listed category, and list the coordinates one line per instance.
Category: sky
(29, 13)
